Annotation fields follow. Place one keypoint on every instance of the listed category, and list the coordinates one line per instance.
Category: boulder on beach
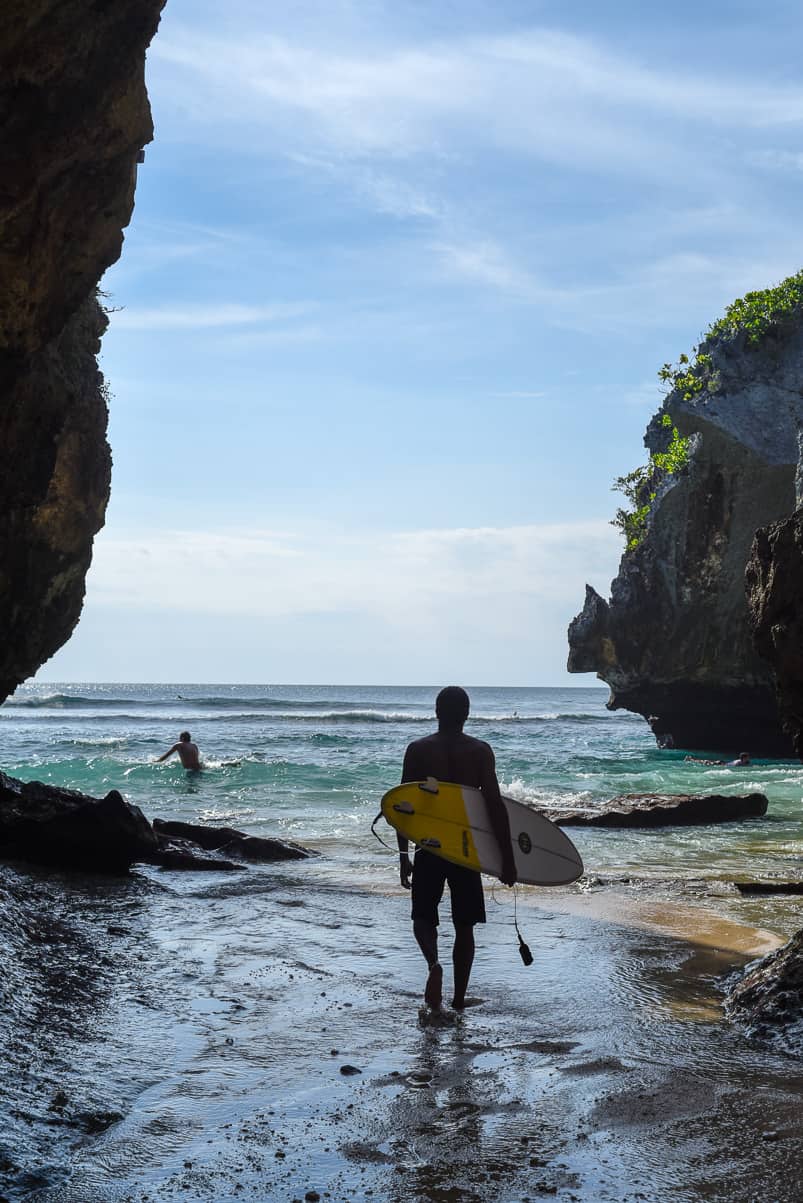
(769, 997)
(54, 826)
(663, 810)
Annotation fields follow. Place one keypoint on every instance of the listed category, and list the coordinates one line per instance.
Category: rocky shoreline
(47, 825)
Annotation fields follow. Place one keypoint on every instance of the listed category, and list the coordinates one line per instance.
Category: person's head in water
(185, 737)
(451, 708)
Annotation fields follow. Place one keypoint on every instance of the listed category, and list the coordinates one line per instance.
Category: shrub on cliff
(754, 316)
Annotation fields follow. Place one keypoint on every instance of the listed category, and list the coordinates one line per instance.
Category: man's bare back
(187, 751)
(452, 757)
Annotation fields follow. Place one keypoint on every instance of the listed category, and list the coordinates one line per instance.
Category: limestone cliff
(75, 115)
(775, 595)
(675, 642)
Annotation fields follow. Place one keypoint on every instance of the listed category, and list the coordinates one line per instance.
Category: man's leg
(429, 878)
(427, 936)
(468, 908)
(463, 959)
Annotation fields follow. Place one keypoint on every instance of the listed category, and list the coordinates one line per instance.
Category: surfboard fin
(430, 786)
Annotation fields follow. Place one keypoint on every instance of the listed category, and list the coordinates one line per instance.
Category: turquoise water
(310, 763)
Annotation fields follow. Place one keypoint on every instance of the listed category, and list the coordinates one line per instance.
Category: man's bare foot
(433, 991)
(460, 1004)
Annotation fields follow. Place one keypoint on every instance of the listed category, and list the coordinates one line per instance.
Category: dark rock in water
(769, 997)
(228, 841)
(75, 117)
(182, 854)
(774, 581)
(769, 887)
(675, 641)
(664, 810)
(48, 825)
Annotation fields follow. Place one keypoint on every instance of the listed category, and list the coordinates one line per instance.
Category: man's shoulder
(479, 744)
(426, 741)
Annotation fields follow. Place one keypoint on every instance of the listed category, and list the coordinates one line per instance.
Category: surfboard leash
(379, 837)
(524, 949)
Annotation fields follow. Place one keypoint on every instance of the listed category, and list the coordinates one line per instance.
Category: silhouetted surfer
(449, 755)
(188, 753)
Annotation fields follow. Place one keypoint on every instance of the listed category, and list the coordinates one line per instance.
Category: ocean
(311, 762)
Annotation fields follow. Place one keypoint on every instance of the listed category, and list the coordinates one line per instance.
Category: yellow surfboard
(452, 822)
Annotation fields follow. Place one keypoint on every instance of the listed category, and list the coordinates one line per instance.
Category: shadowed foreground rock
(769, 998)
(67, 829)
(664, 810)
(53, 826)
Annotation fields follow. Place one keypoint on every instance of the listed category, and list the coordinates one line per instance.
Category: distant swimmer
(742, 759)
(188, 752)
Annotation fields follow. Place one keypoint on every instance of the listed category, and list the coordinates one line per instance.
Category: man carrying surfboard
(450, 755)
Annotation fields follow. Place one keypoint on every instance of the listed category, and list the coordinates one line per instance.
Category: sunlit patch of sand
(683, 921)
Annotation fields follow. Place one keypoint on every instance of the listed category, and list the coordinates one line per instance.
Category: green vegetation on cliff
(755, 314)
(641, 485)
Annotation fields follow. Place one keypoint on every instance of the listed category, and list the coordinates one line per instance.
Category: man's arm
(408, 774)
(489, 785)
(159, 759)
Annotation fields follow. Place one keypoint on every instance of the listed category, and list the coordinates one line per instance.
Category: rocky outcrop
(774, 581)
(663, 810)
(52, 826)
(46, 825)
(75, 115)
(675, 641)
(227, 841)
(769, 997)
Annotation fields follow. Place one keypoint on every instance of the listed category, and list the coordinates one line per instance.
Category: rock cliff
(675, 641)
(775, 594)
(75, 115)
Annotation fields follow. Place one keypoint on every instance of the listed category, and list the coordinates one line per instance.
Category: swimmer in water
(188, 753)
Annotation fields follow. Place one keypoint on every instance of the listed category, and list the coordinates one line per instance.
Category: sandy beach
(188, 1053)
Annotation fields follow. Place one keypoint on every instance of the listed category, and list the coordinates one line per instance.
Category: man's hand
(405, 870)
(509, 875)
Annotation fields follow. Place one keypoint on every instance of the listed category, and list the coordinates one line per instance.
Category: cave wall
(675, 641)
(74, 113)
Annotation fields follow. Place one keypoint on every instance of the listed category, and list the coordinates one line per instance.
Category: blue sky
(391, 307)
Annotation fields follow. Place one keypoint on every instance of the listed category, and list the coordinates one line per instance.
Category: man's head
(185, 737)
(451, 708)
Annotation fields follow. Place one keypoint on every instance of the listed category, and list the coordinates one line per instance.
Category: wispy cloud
(553, 94)
(518, 394)
(204, 316)
(405, 577)
(487, 263)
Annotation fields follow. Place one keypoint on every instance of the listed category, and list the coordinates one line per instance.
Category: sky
(389, 316)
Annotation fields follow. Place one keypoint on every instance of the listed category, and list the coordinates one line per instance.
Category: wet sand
(197, 1050)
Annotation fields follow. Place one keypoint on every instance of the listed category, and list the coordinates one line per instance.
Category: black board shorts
(430, 874)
